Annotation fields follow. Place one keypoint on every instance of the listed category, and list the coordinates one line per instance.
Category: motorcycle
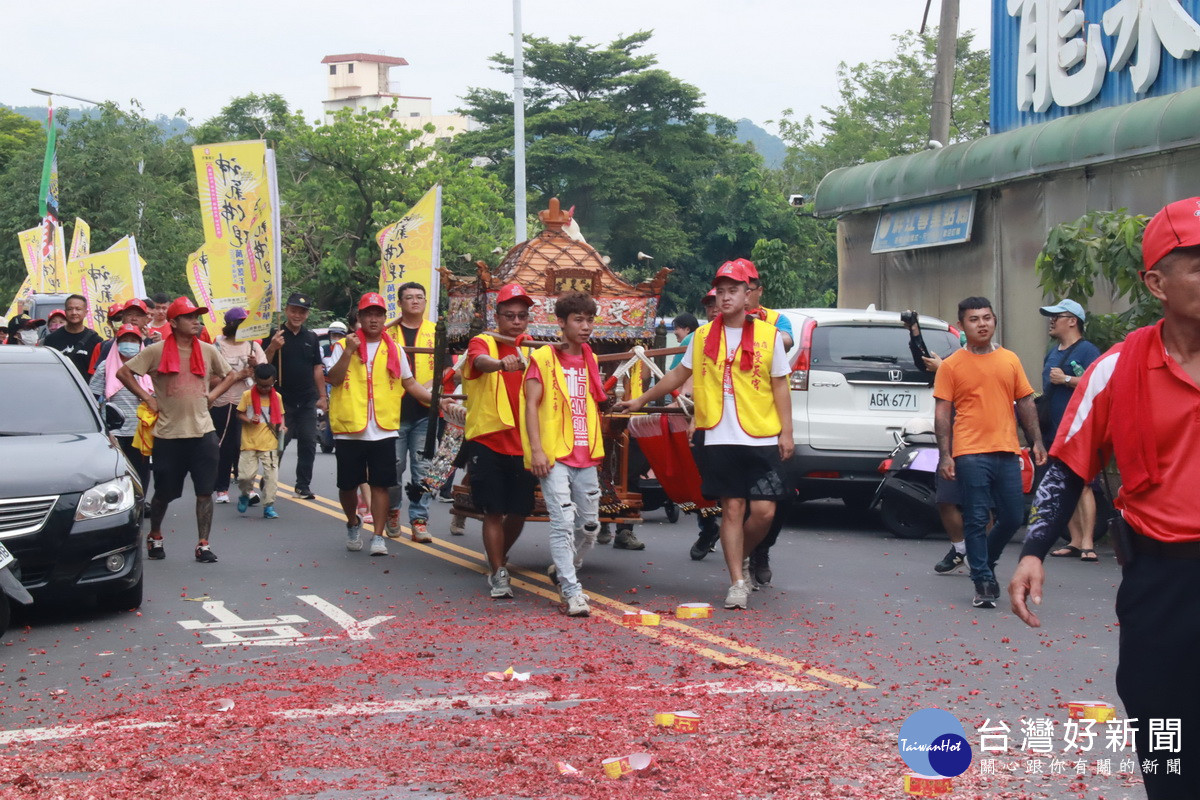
(906, 495)
(10, 588)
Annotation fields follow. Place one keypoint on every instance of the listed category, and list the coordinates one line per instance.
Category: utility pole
(518, 125)
(943, 78)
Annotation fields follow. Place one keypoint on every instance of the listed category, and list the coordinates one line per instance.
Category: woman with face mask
(107, 389)
(23, 330)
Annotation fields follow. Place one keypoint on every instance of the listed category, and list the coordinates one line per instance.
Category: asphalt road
(294, 668)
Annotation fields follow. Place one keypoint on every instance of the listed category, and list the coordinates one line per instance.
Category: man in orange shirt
(979, 448)
(1141, 402)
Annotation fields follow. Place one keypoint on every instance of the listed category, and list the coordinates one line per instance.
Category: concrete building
(363, 81)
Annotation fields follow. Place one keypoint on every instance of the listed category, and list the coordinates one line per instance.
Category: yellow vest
(488, 409)
(554, 412)
(752, 394)
(771, 316)
(348, 402)
(422, 362)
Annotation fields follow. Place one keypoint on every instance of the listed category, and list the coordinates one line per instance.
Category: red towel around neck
(393, 354)
(169, 363)
(595, 384)
(275, 403)
(712, 342)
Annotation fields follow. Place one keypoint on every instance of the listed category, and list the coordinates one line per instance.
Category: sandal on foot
(1089, 556)
(1066, 551)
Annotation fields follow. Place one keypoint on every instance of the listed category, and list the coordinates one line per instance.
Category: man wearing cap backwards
(1141, 402)
(414, 416)
(239, 356)
(744, 407)
(188, 375)
(296, 353)
(74, 340)
(1062, 370)
(367, 379)
(501, 487)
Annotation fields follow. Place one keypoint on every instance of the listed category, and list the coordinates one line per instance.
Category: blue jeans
(410, 447)
(989, 482)
(572, 496)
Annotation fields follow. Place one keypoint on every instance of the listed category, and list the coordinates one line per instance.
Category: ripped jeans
(572, 496)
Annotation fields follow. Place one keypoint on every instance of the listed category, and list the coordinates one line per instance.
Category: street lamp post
(518, 124)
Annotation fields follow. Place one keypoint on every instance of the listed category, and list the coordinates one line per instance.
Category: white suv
(854, 383)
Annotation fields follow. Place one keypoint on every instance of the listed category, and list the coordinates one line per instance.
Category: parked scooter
(10, 588)
(906, 496)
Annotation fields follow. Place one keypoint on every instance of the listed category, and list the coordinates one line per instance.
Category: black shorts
(500, 484)
(947, 491)
(736, 470)
(359, 462)
(174, 459)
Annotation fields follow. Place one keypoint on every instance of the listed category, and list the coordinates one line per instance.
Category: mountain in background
(770, 147)
(170, 126)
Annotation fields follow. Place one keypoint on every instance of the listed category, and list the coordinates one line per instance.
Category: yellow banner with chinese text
(411, 251)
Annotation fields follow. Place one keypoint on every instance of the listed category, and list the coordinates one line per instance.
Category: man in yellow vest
(745, 410)
(501, 487)
(760, 558)
(369, 376)
(562, 441)
(414, 414)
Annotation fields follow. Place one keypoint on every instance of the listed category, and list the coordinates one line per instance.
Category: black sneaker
(205, 555)
(952, 561)
(986, 594)
(305, 493)
(154, 549)
(760, 568)
(706, 541)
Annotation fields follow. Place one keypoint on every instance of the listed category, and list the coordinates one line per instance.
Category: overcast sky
(750, 58)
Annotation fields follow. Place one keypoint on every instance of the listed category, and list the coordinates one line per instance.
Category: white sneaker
(746, 577)
(353, 537)
(458, 526)
(378, 546)
(738, 596)
(221, 497)
(577, 606)
(499, 585)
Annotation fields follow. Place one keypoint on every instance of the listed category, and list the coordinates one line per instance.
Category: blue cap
(1065, 307)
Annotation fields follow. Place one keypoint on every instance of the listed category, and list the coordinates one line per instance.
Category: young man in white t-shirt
(745, 408)
(364, 415)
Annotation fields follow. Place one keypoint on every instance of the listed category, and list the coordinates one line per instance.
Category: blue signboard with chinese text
(1048, 62)
(932, 224)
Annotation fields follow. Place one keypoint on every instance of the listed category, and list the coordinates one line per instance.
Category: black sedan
(70, 505)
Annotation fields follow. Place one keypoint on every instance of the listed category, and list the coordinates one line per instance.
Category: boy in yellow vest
(562, 441)
(745, 410)
(414, 413)
(501, 486)
(367, 376)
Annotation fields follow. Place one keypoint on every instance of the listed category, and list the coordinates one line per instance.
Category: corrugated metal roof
(1110, 134)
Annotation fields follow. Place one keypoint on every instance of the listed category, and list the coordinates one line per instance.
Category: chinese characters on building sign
(946, 221)
(1061, 59)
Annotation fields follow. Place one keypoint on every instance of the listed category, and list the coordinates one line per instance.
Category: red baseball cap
(732, 270)
(58, 312)
(711, 297)
(751, 270)
(129, 330)
(183, 307)
(116, 308)
(513, 291)
(137, 303)
(1177, 225)
(372, 300)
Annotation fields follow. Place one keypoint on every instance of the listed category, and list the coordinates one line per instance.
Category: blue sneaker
(269, 512)
(243, 503)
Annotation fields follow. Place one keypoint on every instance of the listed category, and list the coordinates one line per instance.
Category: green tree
(357, 173)
(123, 175)
(1105, 245)
(883, 111)
(627, 145)
(18, 133)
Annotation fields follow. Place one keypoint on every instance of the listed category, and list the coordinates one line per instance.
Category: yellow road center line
(327, 506)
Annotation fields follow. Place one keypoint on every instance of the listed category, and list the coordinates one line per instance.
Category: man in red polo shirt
(1141, 402)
